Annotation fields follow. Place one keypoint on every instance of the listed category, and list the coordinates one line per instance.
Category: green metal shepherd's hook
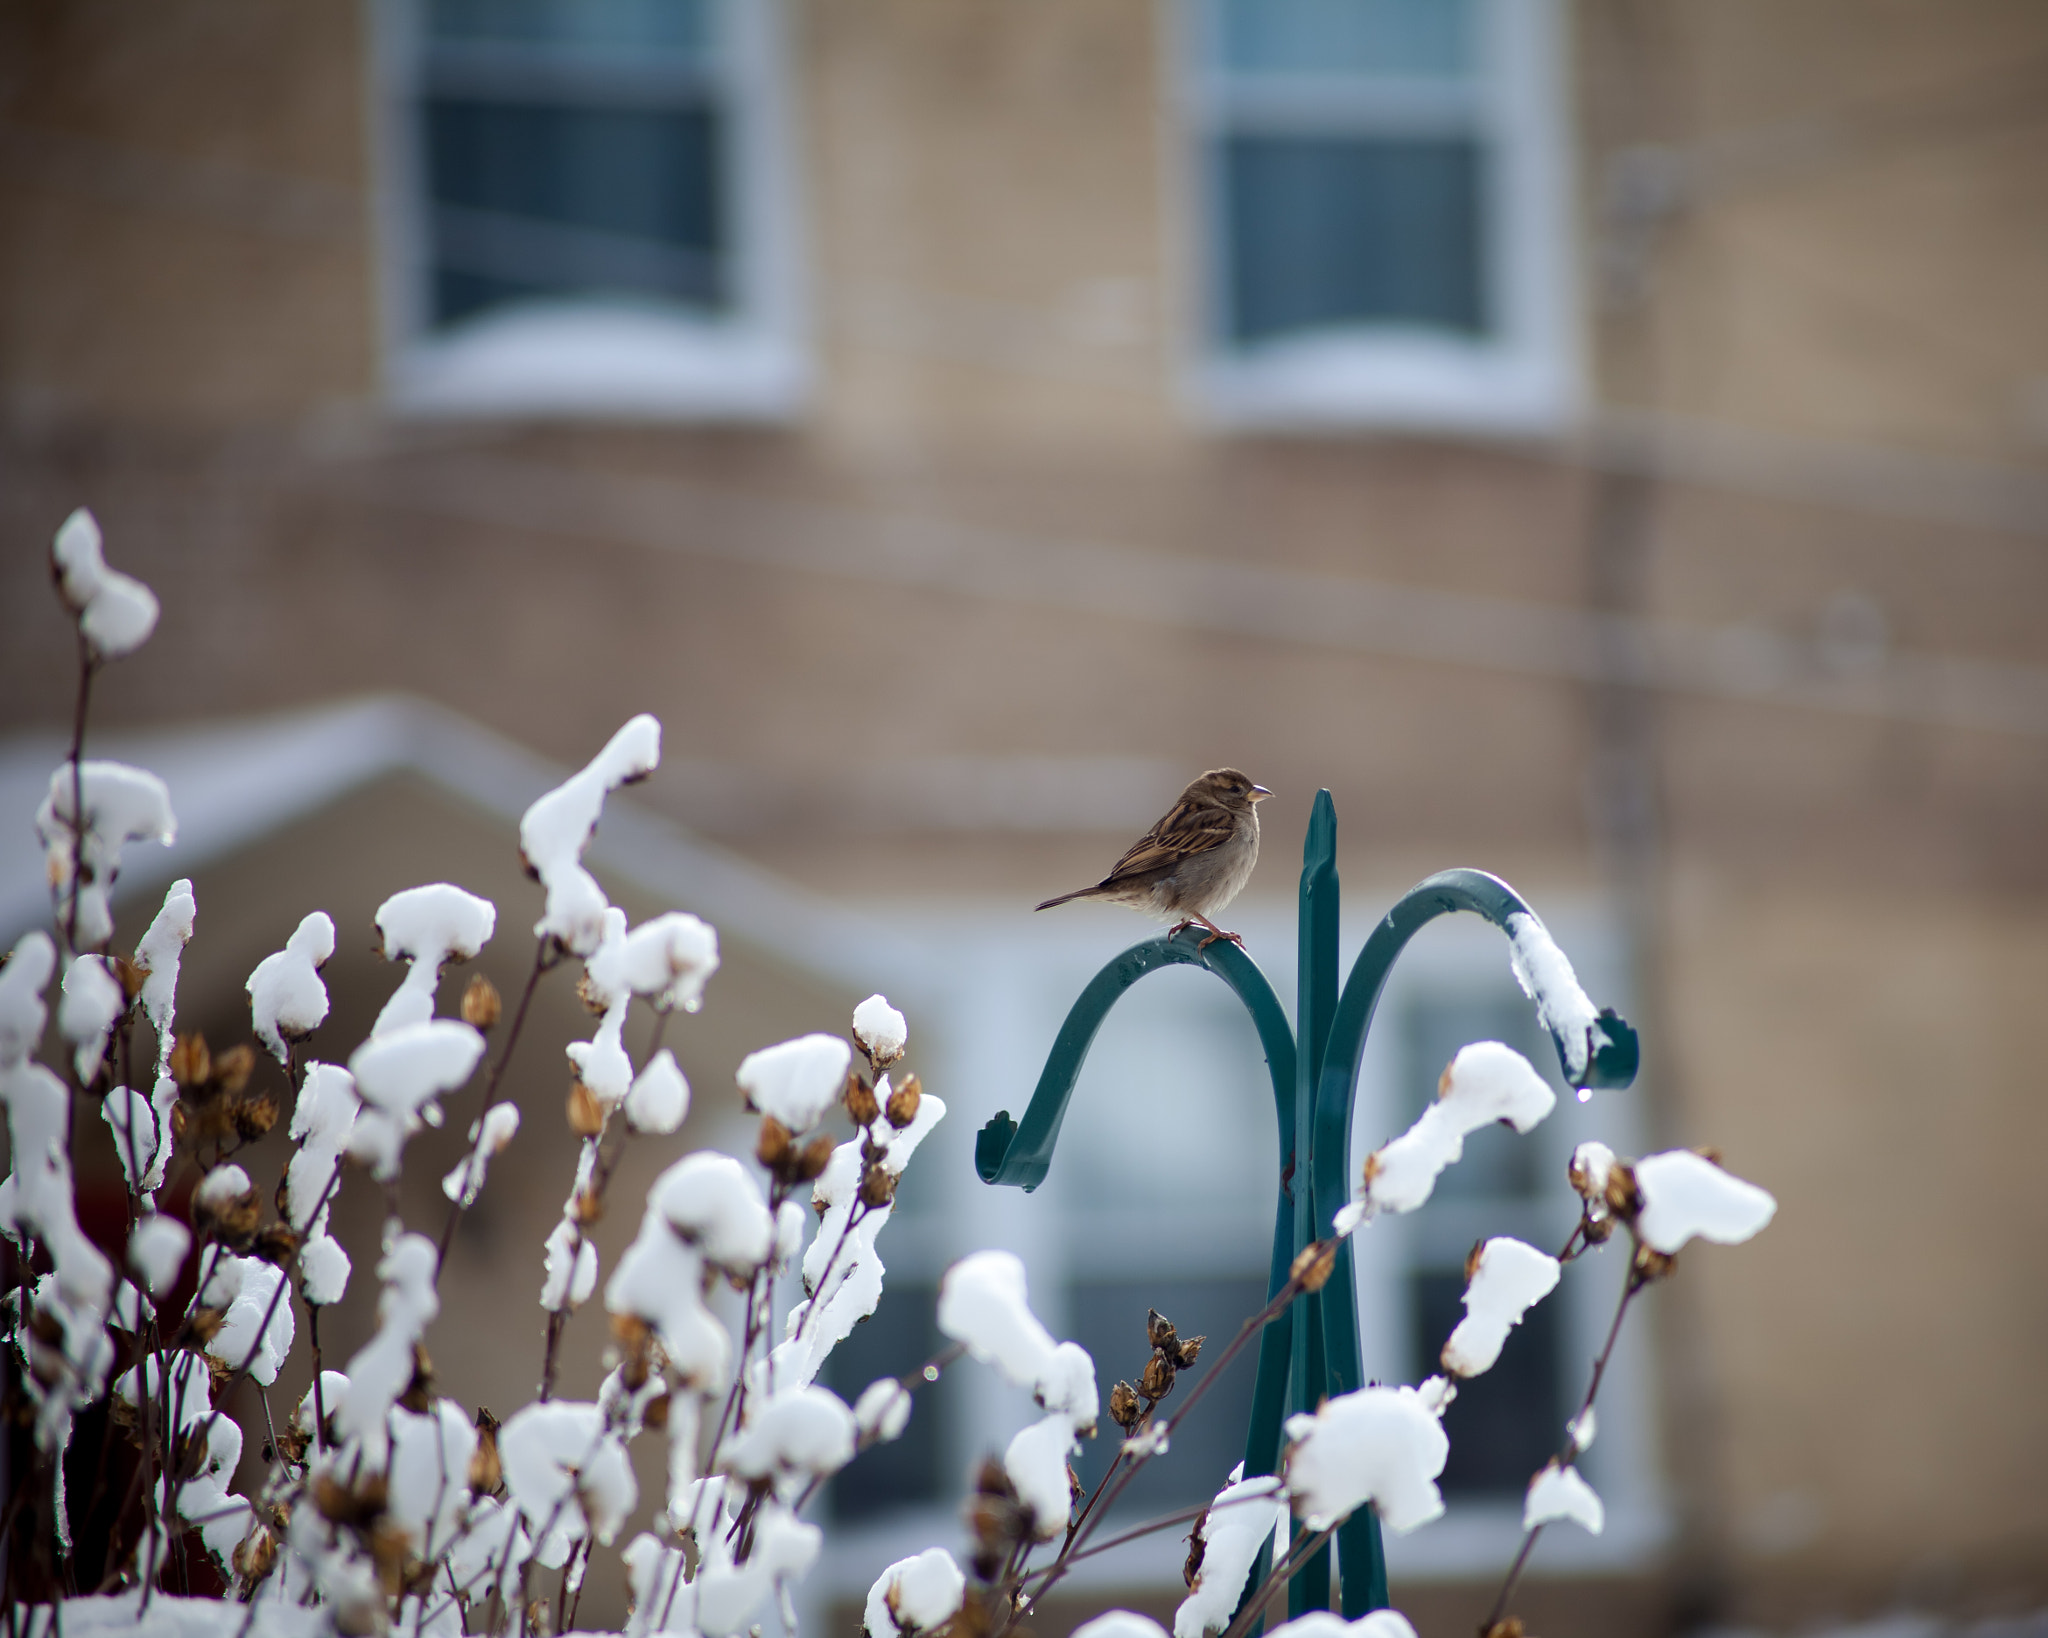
(1314, 1092)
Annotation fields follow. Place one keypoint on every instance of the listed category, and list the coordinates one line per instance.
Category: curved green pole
(1607, 1058)
(1005, 1152)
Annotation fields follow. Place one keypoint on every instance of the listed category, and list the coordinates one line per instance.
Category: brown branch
(1569, 1451)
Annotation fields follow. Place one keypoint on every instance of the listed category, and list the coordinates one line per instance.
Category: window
(591, 211)
(1384, 216)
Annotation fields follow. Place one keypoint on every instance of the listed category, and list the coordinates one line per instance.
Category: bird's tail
(1078, 893)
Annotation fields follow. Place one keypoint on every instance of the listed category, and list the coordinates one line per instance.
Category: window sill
(1407, 383)
(600, 362)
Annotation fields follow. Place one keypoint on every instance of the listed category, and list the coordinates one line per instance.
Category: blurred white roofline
(237, 780)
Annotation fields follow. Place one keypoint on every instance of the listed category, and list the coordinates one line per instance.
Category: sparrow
(1194, 861)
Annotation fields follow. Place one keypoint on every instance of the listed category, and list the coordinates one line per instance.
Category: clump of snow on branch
(93, 1001)
(1239, 1522)
(1592, 1167)
(115, 611)
(1507, 1279)
(428, 927)
(1546, 977)
(382, 1367)
(1323, 1624)
(203, 1500)
(668, 959)
(882, 1411)
(1685, 1194)
(1379, 1445)
(723, 1596)
(1560, 1493)
(556, 829)
(704, 1212)
(157, 956)
(323, 1122)
(843, 1270)
(398, 1078)
(1484, 1083)
(881, 1029)
(569, 1475)
(23, 978)
(797, 1081)
(983, 1303)
(488, 1135)
(256, 1312)
(156, 1252)
(287, 1001)
(121, 805)
(914, 1595)
(142, 1132)
(659, 1099)
(66, 1343)
(793, 1438)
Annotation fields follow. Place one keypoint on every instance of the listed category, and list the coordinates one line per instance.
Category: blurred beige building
(1606, 443)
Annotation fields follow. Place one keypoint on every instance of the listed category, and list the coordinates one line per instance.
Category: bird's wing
(1191, 828)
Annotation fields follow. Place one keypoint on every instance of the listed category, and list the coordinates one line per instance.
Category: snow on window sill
(580, 359)
(1395, 382)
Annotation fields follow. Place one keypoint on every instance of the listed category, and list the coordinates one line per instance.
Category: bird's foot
(1216, 935)
(1177, 929)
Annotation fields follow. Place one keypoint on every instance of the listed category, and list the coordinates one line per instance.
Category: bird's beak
(1260, 793)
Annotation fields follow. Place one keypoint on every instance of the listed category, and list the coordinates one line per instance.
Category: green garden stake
(1311, 1351)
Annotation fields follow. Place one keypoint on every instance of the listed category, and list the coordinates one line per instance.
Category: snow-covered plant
(393, 1508)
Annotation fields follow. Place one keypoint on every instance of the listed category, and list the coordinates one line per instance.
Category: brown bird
(1194, 861)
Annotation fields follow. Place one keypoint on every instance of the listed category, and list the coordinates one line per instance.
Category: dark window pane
(1423, 39)
(905, 1472)
(679, 28)
(531, 199)
(1109, 1321)
(1498, 1162)
(1503, 1425)
(1326, 231)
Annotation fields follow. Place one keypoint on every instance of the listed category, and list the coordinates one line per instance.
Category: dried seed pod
(233, 1221)
(486, 1472)
(481, 1004)
(255, 1116)
(1198, 1549)
(256, 1554)
(1123, 1405)
(861, 1107)
(1313, 1264)
(655, 1415)
(191, 1063)
(419, 1392)
(131, 977)
(773, 1144)
(816, 1156)
(1190, 1351)
(589, 1207)
(991, 1478)
(1651, 1264)
(1472, 1259)
(877, 1186)
(903, 1102)
(586, 1114)
(1074, 1490)
(1159, 1331)
(232, 1068)
(1156, 1381)
(277, 1243)
(202, 1325)
(1624, 1198)
(1510, 1627)
(1597, 1230)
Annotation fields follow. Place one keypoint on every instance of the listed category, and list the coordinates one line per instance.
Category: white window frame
(1524, 379)
(579, 359)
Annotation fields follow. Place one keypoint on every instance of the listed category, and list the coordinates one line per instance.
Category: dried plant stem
(87, 665)
(1570, 1449)
(1058, 1568)
(542, 961)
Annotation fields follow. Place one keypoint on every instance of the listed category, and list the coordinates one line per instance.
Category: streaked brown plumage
(1189, 866)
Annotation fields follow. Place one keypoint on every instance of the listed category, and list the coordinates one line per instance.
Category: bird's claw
(1216, 936)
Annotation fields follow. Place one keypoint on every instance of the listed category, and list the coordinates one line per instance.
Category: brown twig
(1569, 1451)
